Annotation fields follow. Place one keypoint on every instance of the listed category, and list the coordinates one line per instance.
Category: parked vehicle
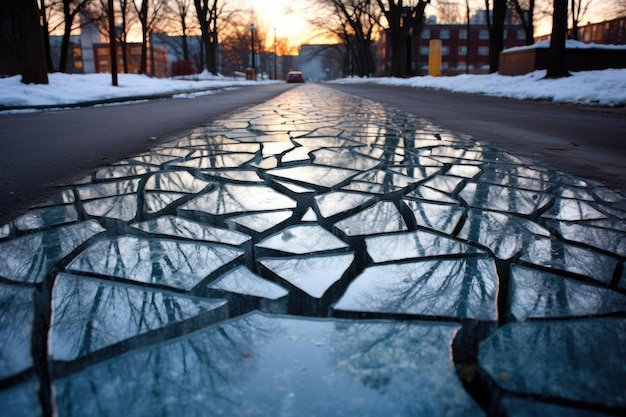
(295, 77)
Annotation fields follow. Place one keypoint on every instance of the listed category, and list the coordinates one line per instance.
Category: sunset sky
(289, 17)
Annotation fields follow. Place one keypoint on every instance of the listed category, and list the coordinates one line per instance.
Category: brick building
(462, 49)
(609, 32)
(157, 59)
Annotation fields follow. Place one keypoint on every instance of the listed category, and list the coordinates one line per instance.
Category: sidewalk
(324, 255)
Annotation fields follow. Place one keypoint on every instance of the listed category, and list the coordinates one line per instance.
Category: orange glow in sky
(288, 17)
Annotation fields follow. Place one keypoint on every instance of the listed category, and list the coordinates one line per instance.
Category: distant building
(462, 50)
(74, 56)
(321, 62)
(609, 32)
(89, 36)
(156, 65)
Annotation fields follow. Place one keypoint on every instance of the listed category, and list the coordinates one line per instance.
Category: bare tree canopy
(578, 10)
(525, 10)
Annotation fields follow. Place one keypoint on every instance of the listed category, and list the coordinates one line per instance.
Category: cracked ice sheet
(159, 262)
(382, 217)
(553, 254)
(242, 281)
(316, 176)
(538, 294)
(313, 275)
(261, 365)
(89, 315)
(464, 288)
(236, 199)
(403, 246)
(505, 235)
(28, 258)
(302, 239)
(577, 360)
(179, 227)
(16, 328)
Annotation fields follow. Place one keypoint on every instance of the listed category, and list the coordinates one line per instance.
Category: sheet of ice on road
(260, 365)
(318, 254)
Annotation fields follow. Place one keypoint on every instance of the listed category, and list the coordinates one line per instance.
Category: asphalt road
(582, 140)
(39, 151)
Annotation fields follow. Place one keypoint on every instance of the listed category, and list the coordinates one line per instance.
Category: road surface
(44, 149)
(585, 141)
(41, 150)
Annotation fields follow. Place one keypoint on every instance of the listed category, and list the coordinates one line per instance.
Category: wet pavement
(317, 255)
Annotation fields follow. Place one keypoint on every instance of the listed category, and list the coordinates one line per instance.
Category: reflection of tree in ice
(404, 361)
(464, 288)
(16, 312)
(560, 359)
(197, 375)
(235, 198)
(160, 262)
(90, 315)
(28, 258)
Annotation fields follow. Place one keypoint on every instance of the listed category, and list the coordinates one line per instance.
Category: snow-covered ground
(605, 88)
(64, 89)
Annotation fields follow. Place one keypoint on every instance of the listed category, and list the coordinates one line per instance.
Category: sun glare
(287, 19)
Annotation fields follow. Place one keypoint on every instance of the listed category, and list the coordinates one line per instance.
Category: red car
(295, 77)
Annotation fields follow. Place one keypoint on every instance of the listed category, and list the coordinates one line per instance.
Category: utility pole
(112, 47)
(275, 56)
(252, 47)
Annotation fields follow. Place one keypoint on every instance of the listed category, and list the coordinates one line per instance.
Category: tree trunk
(31, 48)
(496, 34)
(557, 67)
(400, 22)
(46, 34)
(143, 18)
(65, 40)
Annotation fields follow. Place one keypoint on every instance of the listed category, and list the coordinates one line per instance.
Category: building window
(463, 34)
(521, 35)
(505, 34)
(462, 50)
(483, 34)
(444, 34)
(423, 50)
(426, 34)
(483, 50)
(445, 50)
(103, 62)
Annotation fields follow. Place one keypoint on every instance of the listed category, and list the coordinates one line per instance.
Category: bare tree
(71, 8)
(43, 17)
(578, 10)
(355, 22)
(402, 19)
(207, 14)
(614, 8)
(182, 8)
(557, 66)
(525, 10)
(124, 19)
(449, 11)
(150, 13)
